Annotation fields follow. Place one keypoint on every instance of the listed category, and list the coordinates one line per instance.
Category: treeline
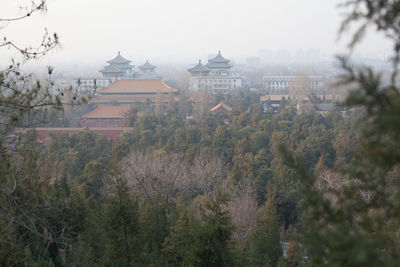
(173, 192)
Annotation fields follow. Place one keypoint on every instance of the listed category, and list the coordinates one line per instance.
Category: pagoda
(147, 67)
(199, 70)
(118, 68)
(216, 76)
(147, 71)
(219, 65)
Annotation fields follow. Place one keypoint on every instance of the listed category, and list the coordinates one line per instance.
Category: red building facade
(105, 117)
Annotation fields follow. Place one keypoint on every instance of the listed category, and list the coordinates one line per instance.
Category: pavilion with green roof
(219, 62)
(199, 70)
(118, 67)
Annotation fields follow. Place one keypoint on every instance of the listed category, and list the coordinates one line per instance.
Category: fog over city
(181, 31)
(210, 133)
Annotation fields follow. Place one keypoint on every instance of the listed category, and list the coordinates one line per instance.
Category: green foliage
(204, 241)
(356, 222)
(61, 206)
(83, 157)
(264, 248)
(154, 228)
(293, 252)
(121, 227)
(86, 215)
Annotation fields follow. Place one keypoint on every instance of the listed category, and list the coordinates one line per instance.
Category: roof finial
(219, 52)
(199, 61)
(119, 53)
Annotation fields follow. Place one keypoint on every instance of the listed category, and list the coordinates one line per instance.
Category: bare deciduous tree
(49, 41)
(25, 101)
(244, 211)
(144, 171)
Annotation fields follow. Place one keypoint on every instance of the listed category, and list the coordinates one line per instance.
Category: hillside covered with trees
(224, 189)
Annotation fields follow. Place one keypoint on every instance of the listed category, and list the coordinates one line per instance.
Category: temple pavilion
(219, 65)
(216, 76)
(147, 67)
(114, 101)
(118, 68)
(147, 71)
(105, 117)
(199, 70)
(126, 92)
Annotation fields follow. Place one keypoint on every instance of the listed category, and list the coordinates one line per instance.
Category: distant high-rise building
(253, 62)
(266, 56)
(118, 68)
(300, 57)
(216, 76)
(282, 56)
(312, 55)
(283, 84)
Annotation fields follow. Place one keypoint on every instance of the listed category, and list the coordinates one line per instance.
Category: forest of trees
(213, 192)
(221, 190)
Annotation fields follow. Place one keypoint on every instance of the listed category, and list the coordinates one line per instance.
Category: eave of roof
(111, 69)
(219, 59)
(212, 65)
(221, 106)
(107, 112)
(273, 97)
(119, 59)
(199, 68)
(147, 65)
(139, 86)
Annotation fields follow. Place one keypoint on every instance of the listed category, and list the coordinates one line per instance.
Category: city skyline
(179, 31)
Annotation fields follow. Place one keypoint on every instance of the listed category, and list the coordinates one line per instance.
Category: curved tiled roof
(111, 69)
(212, 65)
(265, 98)
(138, 86)
(199, 68)
(107, 112)
(221, 106)
(219, 59)
(147, 66)
(119, 60)
(123, 66)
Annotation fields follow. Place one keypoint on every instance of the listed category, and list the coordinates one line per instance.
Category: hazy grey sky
(182, 30)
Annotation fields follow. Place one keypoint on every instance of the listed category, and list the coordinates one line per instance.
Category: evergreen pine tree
(121, 227)
(264, 248)
(293, 252)
(203, 241)
(180, 246)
